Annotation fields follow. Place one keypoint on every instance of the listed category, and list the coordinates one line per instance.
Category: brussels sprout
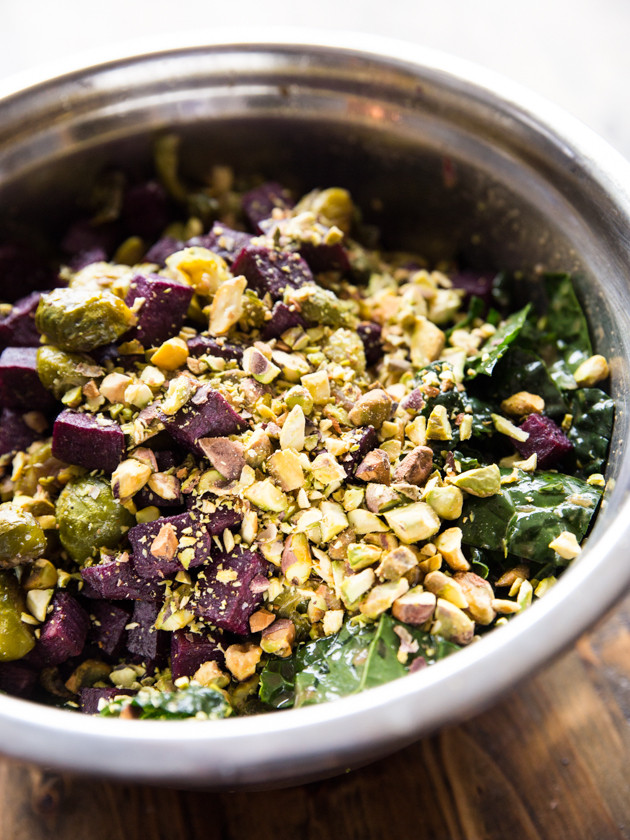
(21, 537)
(15, 637)
(90, 518)
(81, 319)
(60, 371)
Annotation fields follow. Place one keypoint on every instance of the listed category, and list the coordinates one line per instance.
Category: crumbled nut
(241, 660)
(415, 467)
(566, 545)
(381, 597)
(592, 370)
(523, 403)
(225, 455)
(138, 394)
(438, 424)
(129, 477)
(165, 486)
(172, 354)
(200, 268)
(165, 543)
(427, 342)
(452, 623)
(508, 578)
(258, 448)
(449, 544)
(372, 409)
(445, 587)
(504, 607)
(318, 386)
(414, 607)
(259, 366)
(296, 561)
(227, 306)
(326, 469)
(279, 637)
(209, 673)
(396, 563)
(332, 622)
(260, 619)
(293, 430)
(479, 595)
(285, 468)
(374, 467)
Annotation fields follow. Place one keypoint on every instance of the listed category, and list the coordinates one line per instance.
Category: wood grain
(552, 761)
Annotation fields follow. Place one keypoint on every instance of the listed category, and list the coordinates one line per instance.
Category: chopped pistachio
(566, 545)
(438, 424)
(292, 433)
(592, 370)
(381, 597)
(522, 403)
(266, 496)
(171, 354)
(227, 306)
(414, 522)
(482, 481)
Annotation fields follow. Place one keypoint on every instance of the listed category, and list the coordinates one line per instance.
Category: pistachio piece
(129, 477)
(449, 544)
(333, 520)
(479, 595)
(364, 522)
(260, 619)
(286, 469)
(522, 403)
(592, 370)
(332, 622)
(414, 607)
(445, 587)
(257, 448)
(259, 366)
(354, 586)
(372, 409)
(225, 455)
(446, 501)
(415, 467)
(374, 467)
(414, 522)
(380, 497)
(299, 395)
(278, 638)
(482, 481)
(171, 354)
(296, 563)
(382, 596)
(326, 469)
(293, 430)
(427, 342)
(266, 496)
(318, 386)
(227, 306)
(241, 660)
(360, 555)
(396, 563)
(438, 424)
(566, 545)
(452, 623)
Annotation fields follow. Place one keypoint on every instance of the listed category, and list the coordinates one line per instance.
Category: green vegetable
(522, 370)
(16, 639)
(196, 701)
(593, 415)
(60, 371)
(21, 537)
(496, 346)
(90, 518)
(81, 319)
(527, 515)
(359, 656)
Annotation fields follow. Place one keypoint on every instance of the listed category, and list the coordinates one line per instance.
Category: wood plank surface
(550, 762)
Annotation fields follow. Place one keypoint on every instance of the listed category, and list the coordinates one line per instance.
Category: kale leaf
(358, 657)
(191, 702)
(496, 346)
(528, 514)
(593, 415)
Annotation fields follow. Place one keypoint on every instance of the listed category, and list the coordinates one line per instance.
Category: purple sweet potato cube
(204, 345)
(17, 679)
(163, 248)
(164, 309)
(190, 650)
(268, 270)
(228, 605)
(324, 257)
(89, 698)
(17, 329)
(64, 632)
(20, 386)
(15, 434)
(370, 335)
(145, 209)
(546, 440)
(283, 318)
(222, 240)
(108, 622)
(474, 283)
(117, 580)
(365, 440)
(206, 414)
(22, 271)
(142, 637)
(259, 203)
(169, 544)
(96, 443)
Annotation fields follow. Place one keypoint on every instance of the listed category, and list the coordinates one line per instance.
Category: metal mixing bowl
(460, 162)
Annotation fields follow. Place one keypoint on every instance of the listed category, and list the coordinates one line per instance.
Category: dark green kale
(194, 701)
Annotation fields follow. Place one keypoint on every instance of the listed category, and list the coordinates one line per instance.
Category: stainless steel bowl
(461, 162)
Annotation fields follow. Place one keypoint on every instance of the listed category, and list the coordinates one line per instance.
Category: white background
(575, 52)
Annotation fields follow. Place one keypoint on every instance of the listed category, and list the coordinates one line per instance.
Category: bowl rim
(383, 715)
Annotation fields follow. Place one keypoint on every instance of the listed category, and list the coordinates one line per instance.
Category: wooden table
(550, 761)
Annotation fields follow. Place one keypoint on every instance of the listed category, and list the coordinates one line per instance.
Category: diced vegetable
(271, 271)
(162, 311)
(64, 632)
(96, 443)
(207, 414)
(20, 386)
(17, 329)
